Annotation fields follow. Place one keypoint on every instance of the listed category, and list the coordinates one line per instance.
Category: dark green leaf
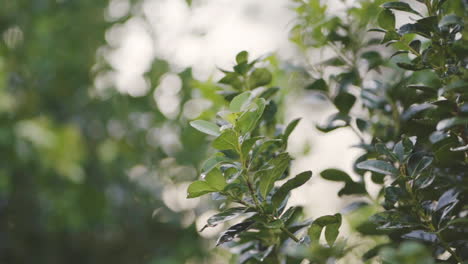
(378, 166)
(344, 102)
(289, 129)
(233, 231)
(268, 177)
(287, 187)
(318, 85)
(335, 175)
(401, 6)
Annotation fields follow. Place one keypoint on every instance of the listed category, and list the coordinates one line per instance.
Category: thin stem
(291, 235)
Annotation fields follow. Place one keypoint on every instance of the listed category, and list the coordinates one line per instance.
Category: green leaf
(216, 179)
(239, 102)
(450, 122)
(344, 102)
(267, 177)
(276, 224)
(242, 57)
(330, 221)
(352, 187)
(248, 120)
(233, 231)
(378, 166)
(451, 20)
(318, 85)
(248, 144)
(259, 77)
(225, 216)
(416, 164)
(287, 187)
(400, 6)
(386, 19)
(335, 175)
(227, 140)
(289, 129)
(383, 150)
(332, 231)
(199, 188)
(213, 161)
(373, 58)
(206, 127)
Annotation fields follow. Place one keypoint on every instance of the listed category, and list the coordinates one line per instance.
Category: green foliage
(412, 124)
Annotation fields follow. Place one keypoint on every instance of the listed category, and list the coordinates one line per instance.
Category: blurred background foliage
(83, 170)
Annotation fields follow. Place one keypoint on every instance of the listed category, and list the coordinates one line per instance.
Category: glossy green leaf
(227, 140)
(378, 166)
(199, 188)
(206, 127)
(451, 122)
(400, 6)
(290, 185)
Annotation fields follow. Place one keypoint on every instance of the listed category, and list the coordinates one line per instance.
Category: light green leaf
(205, 127)
(216, 179)
(213, 161)
(227, 140)
(239, 102)
(199, 188)
(248, 144)
(286, 188)
(248, 120)
(378, 166)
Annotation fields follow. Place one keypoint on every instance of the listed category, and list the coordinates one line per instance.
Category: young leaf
(199, 188)
(248, 120)
(239, 102)
(227, 140)
(287, 187)
(205, 127)
(242, 57)
(216, 179)
(378, 166)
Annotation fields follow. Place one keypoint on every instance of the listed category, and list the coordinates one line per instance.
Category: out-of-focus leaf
(318, 85)
(386, 19)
